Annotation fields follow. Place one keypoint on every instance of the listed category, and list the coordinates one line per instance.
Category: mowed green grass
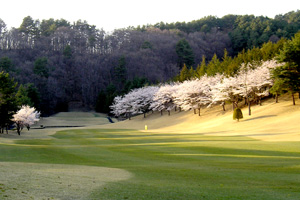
(172, 166)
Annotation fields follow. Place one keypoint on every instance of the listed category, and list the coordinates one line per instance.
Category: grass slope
(270, 122)
(182, 156)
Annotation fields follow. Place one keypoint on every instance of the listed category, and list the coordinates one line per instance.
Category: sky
(114, 14)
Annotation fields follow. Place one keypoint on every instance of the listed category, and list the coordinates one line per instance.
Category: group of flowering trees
(251, 83)
(10, 102)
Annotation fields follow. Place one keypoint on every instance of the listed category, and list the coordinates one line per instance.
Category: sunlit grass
(172, 166)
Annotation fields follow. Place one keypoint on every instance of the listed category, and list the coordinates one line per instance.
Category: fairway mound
(270, 122)
(73, 119)
(54, 181)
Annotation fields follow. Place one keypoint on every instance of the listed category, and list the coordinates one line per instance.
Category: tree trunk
(179, 109)
(249, 107)
(293, 96)
(175, 108)
(18, 129)
(276, 98)
(195, 111)
(169, 113)
(161, 113)
(199, 111)
(234, 105)
(144, 115)
(223, 105)
(129, 116)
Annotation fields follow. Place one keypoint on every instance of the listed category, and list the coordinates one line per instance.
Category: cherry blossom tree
(224, 89)
(192, 94)
(256, 81)
(137, 101)
(263, 78)
(163, 98)
(144, 99)
(26, 116)
(220, 93)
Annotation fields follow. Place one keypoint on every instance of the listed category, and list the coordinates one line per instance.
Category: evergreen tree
(185, 53)
(184, 74)
(225, 62)
(289, 74)
(40, 67)
(5, 64)
(67, 52)
(120, 71)
(34, 95)
(201, 69)
(237, 114)
(192, 73)
(28, 95)
(278, 89)
(22, 97)
(214, 66)
(8, 103)
(110, 95)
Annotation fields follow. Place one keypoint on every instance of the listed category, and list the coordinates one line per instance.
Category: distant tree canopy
(245, 31)
(71, 63)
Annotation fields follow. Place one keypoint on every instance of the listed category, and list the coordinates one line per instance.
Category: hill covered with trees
(65, 65)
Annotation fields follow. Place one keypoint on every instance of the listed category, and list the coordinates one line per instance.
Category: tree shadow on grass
(261, 117)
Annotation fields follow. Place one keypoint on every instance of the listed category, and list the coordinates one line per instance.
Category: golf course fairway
(181, 156)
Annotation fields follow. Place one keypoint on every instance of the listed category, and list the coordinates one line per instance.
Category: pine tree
(201, 69)
(185, 53)
(40, 67)
(289, 74)
(8, 103)
(184, 74)
(214, 66)
(192, 73)
(237, 114)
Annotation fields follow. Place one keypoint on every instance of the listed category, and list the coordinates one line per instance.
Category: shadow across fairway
(261, 117)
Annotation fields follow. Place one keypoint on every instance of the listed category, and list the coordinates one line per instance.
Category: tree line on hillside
(65, 65)
(253, 81)
(245, 31)
(229, 66)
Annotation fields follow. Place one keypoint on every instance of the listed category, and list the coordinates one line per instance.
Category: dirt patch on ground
(54, 181)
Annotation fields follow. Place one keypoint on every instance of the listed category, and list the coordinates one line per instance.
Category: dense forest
(64, 66)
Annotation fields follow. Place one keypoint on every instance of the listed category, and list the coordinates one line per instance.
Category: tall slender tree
(289, 73)
(8, 103)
